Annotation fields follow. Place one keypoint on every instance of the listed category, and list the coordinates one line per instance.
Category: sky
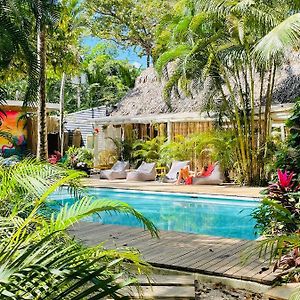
(124, 54)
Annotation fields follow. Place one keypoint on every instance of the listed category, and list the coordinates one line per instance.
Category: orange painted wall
(11, 123)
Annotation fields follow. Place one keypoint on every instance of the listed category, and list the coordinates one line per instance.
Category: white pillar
(96, 147)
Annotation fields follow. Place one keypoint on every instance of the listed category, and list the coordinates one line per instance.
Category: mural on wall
(10, 122)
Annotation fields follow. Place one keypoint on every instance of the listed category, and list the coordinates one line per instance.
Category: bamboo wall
(187, 128)
(52, 127)
(146, 131)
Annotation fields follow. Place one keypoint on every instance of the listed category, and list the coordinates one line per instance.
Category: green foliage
(49, 269)
(216, 146)
(104, 80)
(128, 22)
(171, 55)
(108, 79)
(179, 149)
(280, 210)
(277, 220)
(63, 45)
(124, 149)
(78, 158)
(38, 258)
(16, 32)
(209, 45)
(289, 156)
(273, 219)
(148, 151)
(283, 36)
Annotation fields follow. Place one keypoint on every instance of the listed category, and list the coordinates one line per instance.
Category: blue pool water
(202, 214)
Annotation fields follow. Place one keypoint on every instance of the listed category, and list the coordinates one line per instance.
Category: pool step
(168, 280)
(165, 287)
(166, 292)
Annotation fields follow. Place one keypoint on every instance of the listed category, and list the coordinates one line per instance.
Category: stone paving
(225, 189)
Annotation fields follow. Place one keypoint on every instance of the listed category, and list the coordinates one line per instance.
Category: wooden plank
(167, 252)
(193, 256)
(252, 266)
(191, 252)
(234, 265)
(227, 257)
(214, 252)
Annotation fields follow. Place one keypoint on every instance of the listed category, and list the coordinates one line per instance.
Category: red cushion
(189, 180)
(208, 172)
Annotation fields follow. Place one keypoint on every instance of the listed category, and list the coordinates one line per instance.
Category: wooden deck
(181, 251)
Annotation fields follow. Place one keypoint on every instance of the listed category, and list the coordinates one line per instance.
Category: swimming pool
(191, 213)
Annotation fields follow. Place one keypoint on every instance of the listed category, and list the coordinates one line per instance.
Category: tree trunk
(78, 93)
(42, 147)
(61, 107)
(148, 60)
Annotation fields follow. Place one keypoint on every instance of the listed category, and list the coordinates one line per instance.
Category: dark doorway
(53, 143)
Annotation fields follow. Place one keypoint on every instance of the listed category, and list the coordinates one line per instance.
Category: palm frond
(30, 178)
(171, 55)
(69, 215)
(9, 23)
(48, 270)
(295, 295)
(285, 35)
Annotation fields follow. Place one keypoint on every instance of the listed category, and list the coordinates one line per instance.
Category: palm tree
(211, 44)
(16, 20)
(14, 32)
(42, 148)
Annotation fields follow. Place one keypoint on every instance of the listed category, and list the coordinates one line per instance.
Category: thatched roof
(287, 84)
(146, 97)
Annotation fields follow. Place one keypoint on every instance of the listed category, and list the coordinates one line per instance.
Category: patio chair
(118, 171)
(216, 177)
(174, 171)
(145, 172)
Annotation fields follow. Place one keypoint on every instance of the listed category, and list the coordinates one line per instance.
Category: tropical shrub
(279, 212)
(38, 259)
(289, 156)
(207, 146)
(278, 220)
(124, 149)
(79, 158)
(178, 149)
(148, 151)
(51, 268)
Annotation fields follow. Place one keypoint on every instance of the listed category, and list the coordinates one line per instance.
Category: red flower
(285, 179)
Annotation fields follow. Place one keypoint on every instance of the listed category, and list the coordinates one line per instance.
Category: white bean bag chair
(216, 177)
(145, 172)
(118, 171)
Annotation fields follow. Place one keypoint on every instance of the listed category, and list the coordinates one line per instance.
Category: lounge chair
(145, 172)
(118, 171)
(216, 177)
(174, 171)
